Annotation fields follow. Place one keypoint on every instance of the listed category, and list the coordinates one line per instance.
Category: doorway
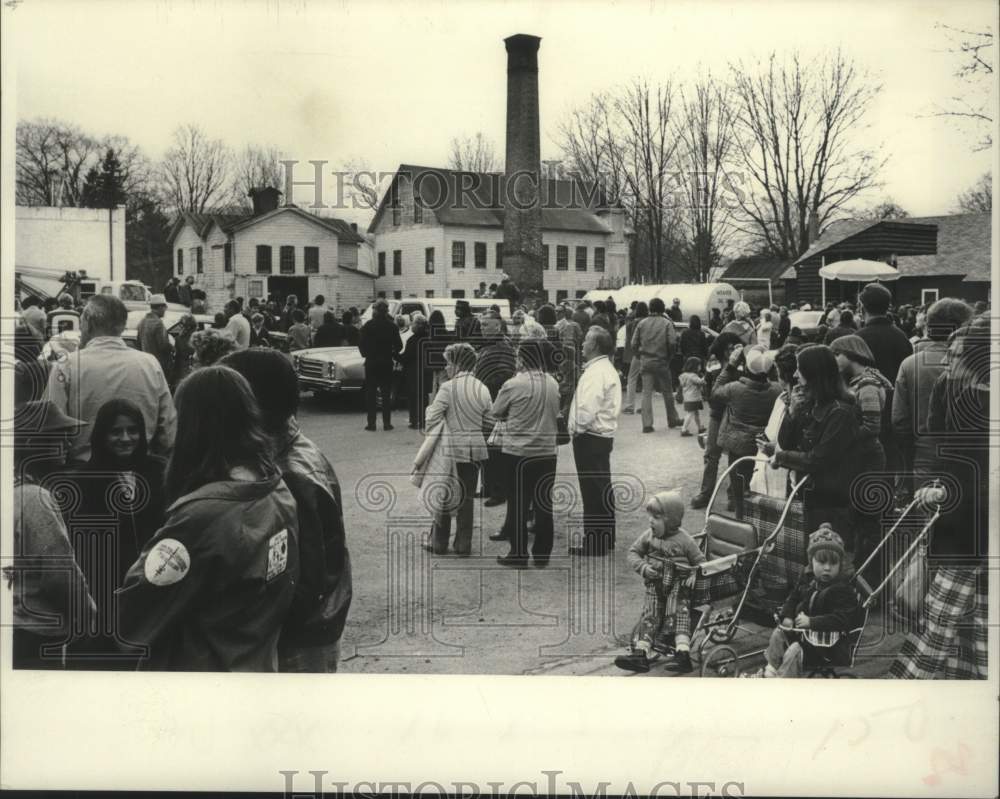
(283, 286)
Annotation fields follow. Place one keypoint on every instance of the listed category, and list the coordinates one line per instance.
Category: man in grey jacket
(654, 342)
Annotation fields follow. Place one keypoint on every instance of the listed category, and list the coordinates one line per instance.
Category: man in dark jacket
(888, 343)
(496, 365)
(467, 327)
(310, 638)
(170, 291)
(152, 335)
(379, 343)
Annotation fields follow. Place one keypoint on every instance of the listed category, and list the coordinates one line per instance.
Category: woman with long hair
(123, 483)
(818, 438)
(210, 591)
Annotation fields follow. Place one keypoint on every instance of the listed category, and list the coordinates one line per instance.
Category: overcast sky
(393, 82)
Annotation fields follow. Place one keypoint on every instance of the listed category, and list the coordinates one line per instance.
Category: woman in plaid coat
(952, 642)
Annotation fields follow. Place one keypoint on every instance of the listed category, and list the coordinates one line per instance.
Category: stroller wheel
(720, 661)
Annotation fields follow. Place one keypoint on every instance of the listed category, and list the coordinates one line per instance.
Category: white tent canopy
(858, 270)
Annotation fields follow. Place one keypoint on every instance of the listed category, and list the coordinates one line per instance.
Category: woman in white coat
(463, 405)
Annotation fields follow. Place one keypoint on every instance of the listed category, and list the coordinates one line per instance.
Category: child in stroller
(819, 615)
(658, 556)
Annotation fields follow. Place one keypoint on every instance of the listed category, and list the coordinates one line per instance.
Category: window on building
(418, 211)
(193, 257)
(397, 295)
(458, 255)
(458, 294)
(429, 293)
(598, 259)
(180, 261)
(198, 260)
(500, 255)
(545, 295)
(429, 260)
(255, 288)
(581, 293)
(395, 211)
(581, 259)
(287, 255)
(928, 296)
(562, 295)
(311, 260)
(562, 258)
(397, 262)
(545, 256)
(381, 264)
(264, 258)
(479, 253)
(227, 257)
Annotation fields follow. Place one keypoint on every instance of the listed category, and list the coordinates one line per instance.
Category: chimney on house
(354, 227)
(813, 228)
(265, 199)
(522, 226)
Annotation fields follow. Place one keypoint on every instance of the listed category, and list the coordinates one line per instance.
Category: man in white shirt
(317, 312)
(238, 326)
(592, 422)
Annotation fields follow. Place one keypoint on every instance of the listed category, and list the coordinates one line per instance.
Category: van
(446, 305)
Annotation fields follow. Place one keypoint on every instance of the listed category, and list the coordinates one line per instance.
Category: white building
(60, 240)
(439, 232)
(277, 250)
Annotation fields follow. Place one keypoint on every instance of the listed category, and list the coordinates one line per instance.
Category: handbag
(562, 431)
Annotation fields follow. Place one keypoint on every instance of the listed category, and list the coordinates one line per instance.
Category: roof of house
(763, 267)
(476, 199)
(230, 223)
(357, 271)
(963, 245)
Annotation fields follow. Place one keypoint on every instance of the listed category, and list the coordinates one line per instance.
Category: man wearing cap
(674, 311)
(105, 368)
(152, 334)
(63, 317)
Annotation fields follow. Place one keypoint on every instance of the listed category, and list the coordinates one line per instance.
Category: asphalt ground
(417, 613)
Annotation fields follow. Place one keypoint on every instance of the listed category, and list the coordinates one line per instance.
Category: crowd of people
(231, 553)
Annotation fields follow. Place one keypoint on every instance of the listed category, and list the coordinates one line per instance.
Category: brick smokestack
(522, 227)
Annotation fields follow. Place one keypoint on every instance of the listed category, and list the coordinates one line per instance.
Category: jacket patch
(167, 562)
(277, 555)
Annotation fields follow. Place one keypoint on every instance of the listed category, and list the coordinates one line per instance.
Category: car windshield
(132, 293)
(805, 318)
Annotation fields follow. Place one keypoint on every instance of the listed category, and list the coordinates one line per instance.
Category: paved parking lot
(415, 613)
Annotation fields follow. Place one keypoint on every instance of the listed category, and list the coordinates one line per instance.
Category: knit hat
(669, 505)
(759, 361)
(825, 538)
(855, 348)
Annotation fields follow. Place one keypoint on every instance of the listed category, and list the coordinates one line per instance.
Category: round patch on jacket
(167, 562)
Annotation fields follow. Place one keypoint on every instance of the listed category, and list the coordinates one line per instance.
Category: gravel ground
(415, 613)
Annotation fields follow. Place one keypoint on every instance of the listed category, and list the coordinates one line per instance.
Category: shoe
(674, 424)
(540, 563)
(387, 427)
(686, 434)
(700, 501)
(702, 431)
(629, 411)
(501, 536)
(430, 548)
(513, 561)
(492, 502)
(634, 661)
(649, 430)
(681, 663)
(370, 428)
(701, 440)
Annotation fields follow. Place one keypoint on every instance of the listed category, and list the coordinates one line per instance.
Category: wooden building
(937, 256)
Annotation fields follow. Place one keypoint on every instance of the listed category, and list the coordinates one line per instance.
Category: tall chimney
(522, 224)
(813, 228)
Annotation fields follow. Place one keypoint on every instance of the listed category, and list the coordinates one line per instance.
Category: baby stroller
(724, 661)
(727, 585)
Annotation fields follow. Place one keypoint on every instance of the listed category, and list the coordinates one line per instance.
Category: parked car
(807, 322)
(330, 370)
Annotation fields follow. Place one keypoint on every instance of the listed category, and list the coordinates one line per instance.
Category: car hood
(338, 354)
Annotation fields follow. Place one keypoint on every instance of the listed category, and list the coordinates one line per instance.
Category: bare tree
(195, 170)
(798, 127)
(646, 151)
(586, 139)
(705, 134)
(53, 158)
(362, 187)
(254, 167)
(975, 106)
(887, 209)
(978, 198)
(473, 154)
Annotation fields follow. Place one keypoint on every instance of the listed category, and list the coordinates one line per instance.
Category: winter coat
(212, 589)
(748, 405)
(832, 607)
(888, 344)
